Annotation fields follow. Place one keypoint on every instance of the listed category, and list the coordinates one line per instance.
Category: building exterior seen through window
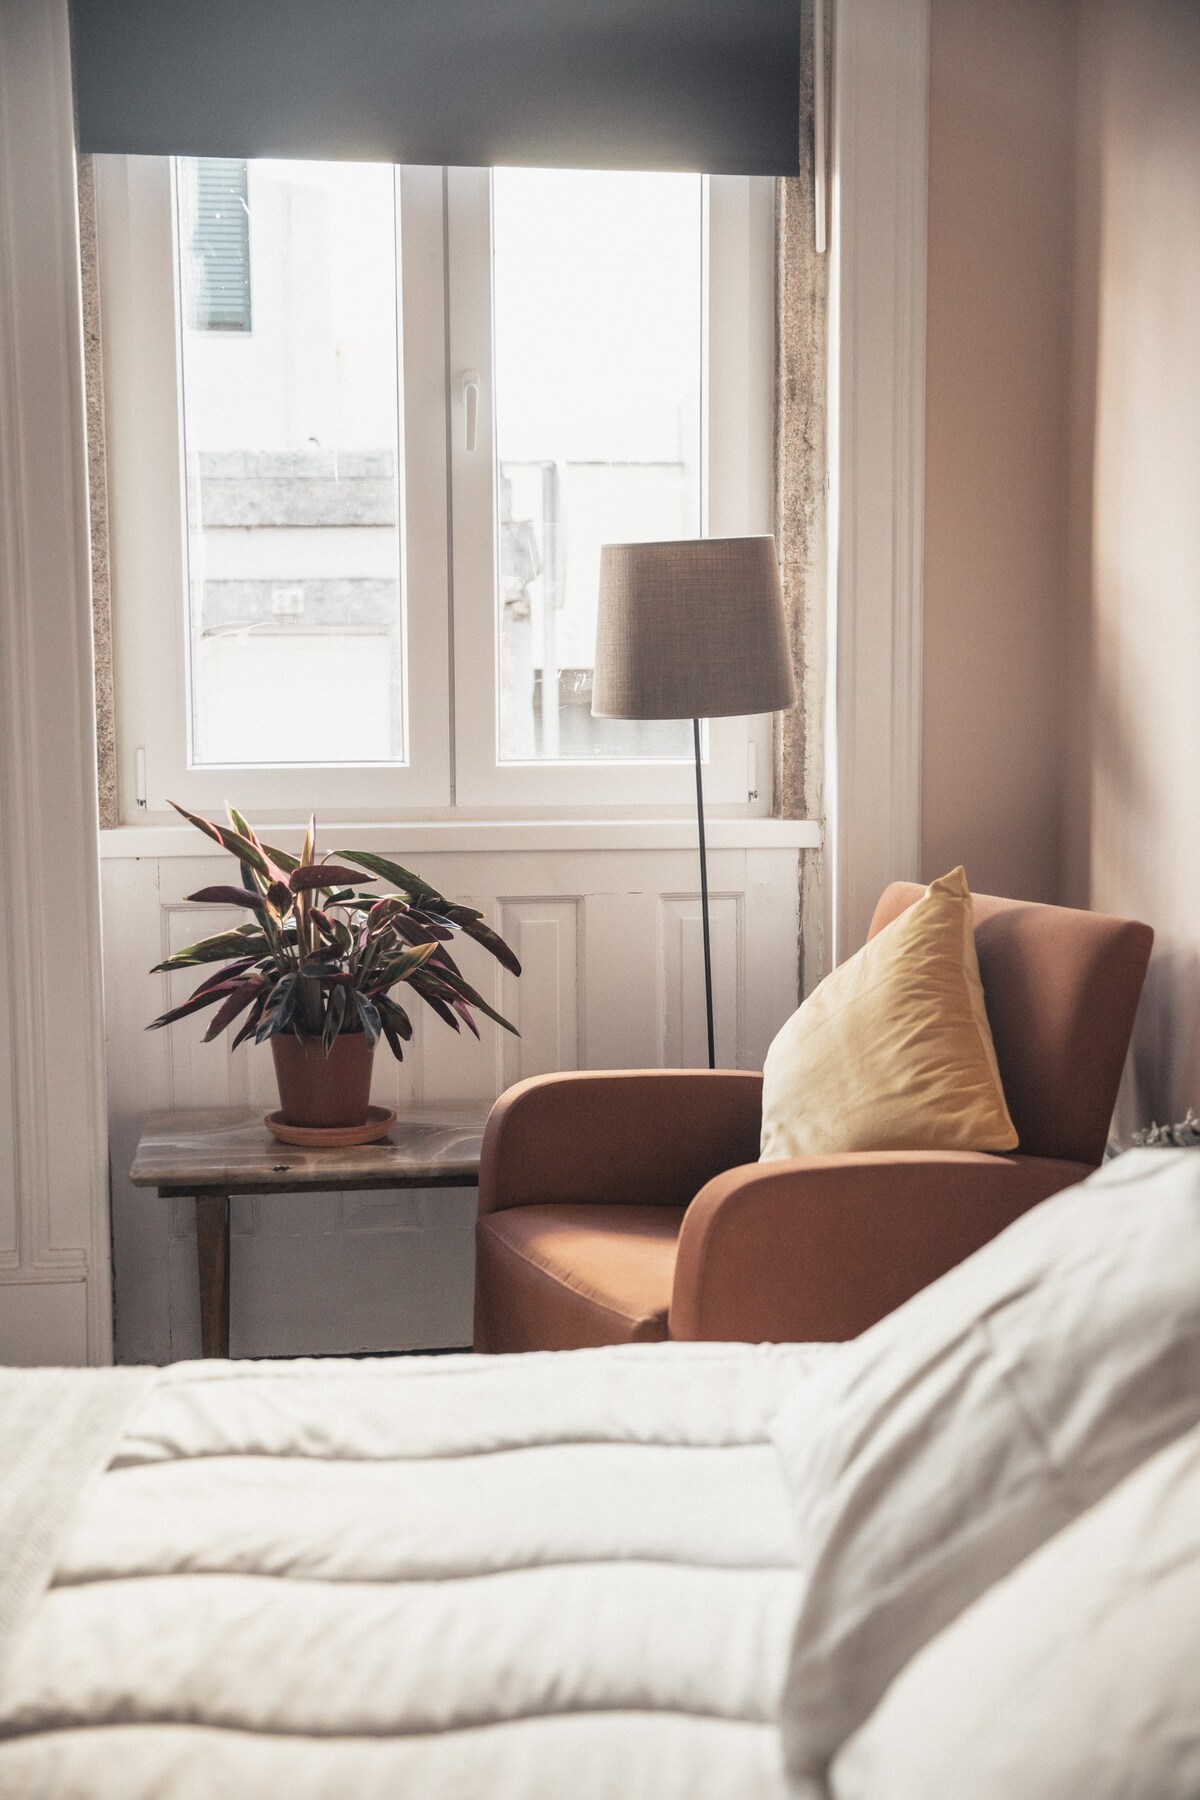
(292, 460)
(291, 342)
(598, 290)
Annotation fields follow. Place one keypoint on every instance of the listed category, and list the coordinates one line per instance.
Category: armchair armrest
(649, 1137)
(819, 1248)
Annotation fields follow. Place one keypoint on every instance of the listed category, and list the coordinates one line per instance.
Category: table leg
(212, 1256)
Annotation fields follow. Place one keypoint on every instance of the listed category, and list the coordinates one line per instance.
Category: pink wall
(1132, 770)
(1061, 730)
(1001, 126)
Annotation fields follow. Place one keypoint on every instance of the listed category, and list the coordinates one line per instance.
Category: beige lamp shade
(692, 629)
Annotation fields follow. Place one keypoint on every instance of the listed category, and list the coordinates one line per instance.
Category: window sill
(476, 836)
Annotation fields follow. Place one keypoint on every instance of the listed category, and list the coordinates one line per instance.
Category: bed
(957, 1554)
(441, 1576)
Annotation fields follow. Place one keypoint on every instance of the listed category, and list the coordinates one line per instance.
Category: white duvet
(530, 1577)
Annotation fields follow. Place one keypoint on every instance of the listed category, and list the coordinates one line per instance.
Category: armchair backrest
(1062, 988)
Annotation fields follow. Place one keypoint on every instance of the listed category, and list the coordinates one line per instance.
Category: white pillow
(1075, 1678)
(932, 1454)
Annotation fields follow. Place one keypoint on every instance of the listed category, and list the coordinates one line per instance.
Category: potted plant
(315, 967)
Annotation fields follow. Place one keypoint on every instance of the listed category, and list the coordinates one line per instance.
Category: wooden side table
(208, 1155)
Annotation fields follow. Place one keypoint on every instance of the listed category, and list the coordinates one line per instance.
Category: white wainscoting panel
(44, 1320)
(683, 1013)
(544, 1004)
(609, 940)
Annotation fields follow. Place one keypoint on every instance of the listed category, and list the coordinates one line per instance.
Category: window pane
(293, 458)
(598, 320)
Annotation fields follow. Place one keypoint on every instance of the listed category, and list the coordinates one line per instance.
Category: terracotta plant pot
(315, 1089)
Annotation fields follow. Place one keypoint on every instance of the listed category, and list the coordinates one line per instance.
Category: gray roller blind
(709, 85)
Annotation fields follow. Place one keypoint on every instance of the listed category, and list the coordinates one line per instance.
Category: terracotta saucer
(377, 1124)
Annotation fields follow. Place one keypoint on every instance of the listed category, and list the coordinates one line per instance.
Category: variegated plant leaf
(228, 896)
(235, 942)
(236, 1002)
(369, 1017)
(335, 1013)
(401, 878)
(206, 996)
(402, 967)
(320, 875)
(277, 1014)
(453, 986)
(230, 840)
(391, 1012)
(283, 858)
(253, 1020)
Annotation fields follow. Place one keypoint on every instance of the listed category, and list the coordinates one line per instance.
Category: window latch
(470, 397)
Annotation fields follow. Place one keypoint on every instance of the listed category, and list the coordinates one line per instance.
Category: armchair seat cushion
(572, 1277)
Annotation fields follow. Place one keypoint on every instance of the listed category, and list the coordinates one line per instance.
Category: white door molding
(877, 452)
(55, 1289)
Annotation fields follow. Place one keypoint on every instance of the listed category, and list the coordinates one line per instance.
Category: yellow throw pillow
(893, 1050)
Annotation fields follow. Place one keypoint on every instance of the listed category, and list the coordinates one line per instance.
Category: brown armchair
(629, 1206)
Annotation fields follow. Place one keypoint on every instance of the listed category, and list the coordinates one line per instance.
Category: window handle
(470, 396)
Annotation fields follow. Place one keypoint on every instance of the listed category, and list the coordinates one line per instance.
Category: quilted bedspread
(535, 1577)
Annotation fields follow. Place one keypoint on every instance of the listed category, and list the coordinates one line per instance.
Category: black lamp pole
(708, 999)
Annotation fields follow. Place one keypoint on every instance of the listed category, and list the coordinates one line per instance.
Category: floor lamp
(692, 630)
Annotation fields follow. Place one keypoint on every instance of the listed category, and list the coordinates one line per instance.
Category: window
(598, 341)
(358, 487)
(291, 455)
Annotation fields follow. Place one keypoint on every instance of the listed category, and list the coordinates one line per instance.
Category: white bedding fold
(58, 1428)
(366, 1659)
(585, 1756)
(529, 1576)
(449, 1406)
(423, 1520)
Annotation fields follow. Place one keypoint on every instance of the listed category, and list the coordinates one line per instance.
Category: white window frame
(737, 497)
(450, 577)
(148, 532)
